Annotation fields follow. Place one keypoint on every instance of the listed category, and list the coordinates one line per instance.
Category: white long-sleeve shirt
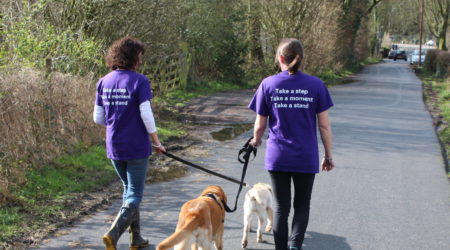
(146, 112)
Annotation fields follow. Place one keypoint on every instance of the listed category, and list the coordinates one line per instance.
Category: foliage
(29, 43)
(353, 17)
(399, 18)
(214, 42)
(430, 62)
(10, 222)
(42, 117)
(437, 63)
(437, 14)
(313, 22)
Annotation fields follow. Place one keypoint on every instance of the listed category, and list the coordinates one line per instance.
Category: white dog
(258, 200)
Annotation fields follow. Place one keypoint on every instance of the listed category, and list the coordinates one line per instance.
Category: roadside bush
(41, 118)
(442, 64)
(431, 60)
(47, 48)
(216, 44)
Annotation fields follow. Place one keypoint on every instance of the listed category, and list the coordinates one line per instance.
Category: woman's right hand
(255, 142)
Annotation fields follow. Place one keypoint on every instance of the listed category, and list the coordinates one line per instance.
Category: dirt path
(221, 108)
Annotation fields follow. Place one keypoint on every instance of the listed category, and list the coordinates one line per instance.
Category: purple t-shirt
(292, 103)
(120, 93)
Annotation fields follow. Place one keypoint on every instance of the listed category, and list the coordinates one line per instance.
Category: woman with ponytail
(292, 103)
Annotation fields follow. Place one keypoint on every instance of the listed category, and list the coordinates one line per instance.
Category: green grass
(331, 76)
(48, 190)
(371, 60)
(334, 78)
(169, 129)
(178, 97)
(69, 174)
(10, 222)
(441, 88)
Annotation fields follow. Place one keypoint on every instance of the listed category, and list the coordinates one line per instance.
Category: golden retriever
(258, 200)
(200, 223)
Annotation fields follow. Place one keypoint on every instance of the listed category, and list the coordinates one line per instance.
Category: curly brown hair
(124, 53)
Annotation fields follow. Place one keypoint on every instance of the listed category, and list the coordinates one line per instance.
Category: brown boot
(136, 240)
(121, 223)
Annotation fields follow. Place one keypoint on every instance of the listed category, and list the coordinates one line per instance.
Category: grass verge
(50, 193)
(340, 77)
(178, 97)
(437, 98)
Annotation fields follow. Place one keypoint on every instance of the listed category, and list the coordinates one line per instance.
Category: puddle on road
(231, 132)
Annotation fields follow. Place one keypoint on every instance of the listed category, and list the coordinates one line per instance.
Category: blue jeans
(133, 174)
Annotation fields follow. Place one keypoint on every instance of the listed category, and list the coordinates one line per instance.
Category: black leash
(243, 157)
(204, 169)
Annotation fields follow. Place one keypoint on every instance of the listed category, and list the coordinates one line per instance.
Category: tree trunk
(255, 49)
(442, 39)
(348, 38)
(256, 54)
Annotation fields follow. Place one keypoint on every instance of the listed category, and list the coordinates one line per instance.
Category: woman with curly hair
(122, 105)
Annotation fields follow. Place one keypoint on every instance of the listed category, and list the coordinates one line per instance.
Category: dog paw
(268, 228)
(244, 244)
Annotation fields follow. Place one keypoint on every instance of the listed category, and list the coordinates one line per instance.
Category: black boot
(121, 223)
(136, 240)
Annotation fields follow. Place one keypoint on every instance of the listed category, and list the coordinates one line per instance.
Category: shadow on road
(319, 241)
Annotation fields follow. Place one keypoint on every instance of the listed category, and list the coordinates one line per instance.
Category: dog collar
(212, 196)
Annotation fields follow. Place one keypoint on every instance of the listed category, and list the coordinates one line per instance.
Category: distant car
(392, 54)
(414, 59)
(400, 54)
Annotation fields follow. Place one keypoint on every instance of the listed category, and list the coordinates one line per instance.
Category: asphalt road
(388, 191)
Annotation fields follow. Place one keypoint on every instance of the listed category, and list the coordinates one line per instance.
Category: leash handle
(246, 151)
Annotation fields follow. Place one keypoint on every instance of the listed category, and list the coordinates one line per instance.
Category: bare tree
(437, 13)
(353, 13)
(286, 18)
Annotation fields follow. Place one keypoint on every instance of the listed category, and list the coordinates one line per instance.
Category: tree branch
(373, 5)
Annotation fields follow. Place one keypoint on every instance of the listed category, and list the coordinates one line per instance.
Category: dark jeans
(133, 174)
(281, 185)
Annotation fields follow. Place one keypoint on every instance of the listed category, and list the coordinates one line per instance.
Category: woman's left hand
(327, 164)
(159, 148)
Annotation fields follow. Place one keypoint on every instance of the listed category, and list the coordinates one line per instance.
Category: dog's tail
(179, 235)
